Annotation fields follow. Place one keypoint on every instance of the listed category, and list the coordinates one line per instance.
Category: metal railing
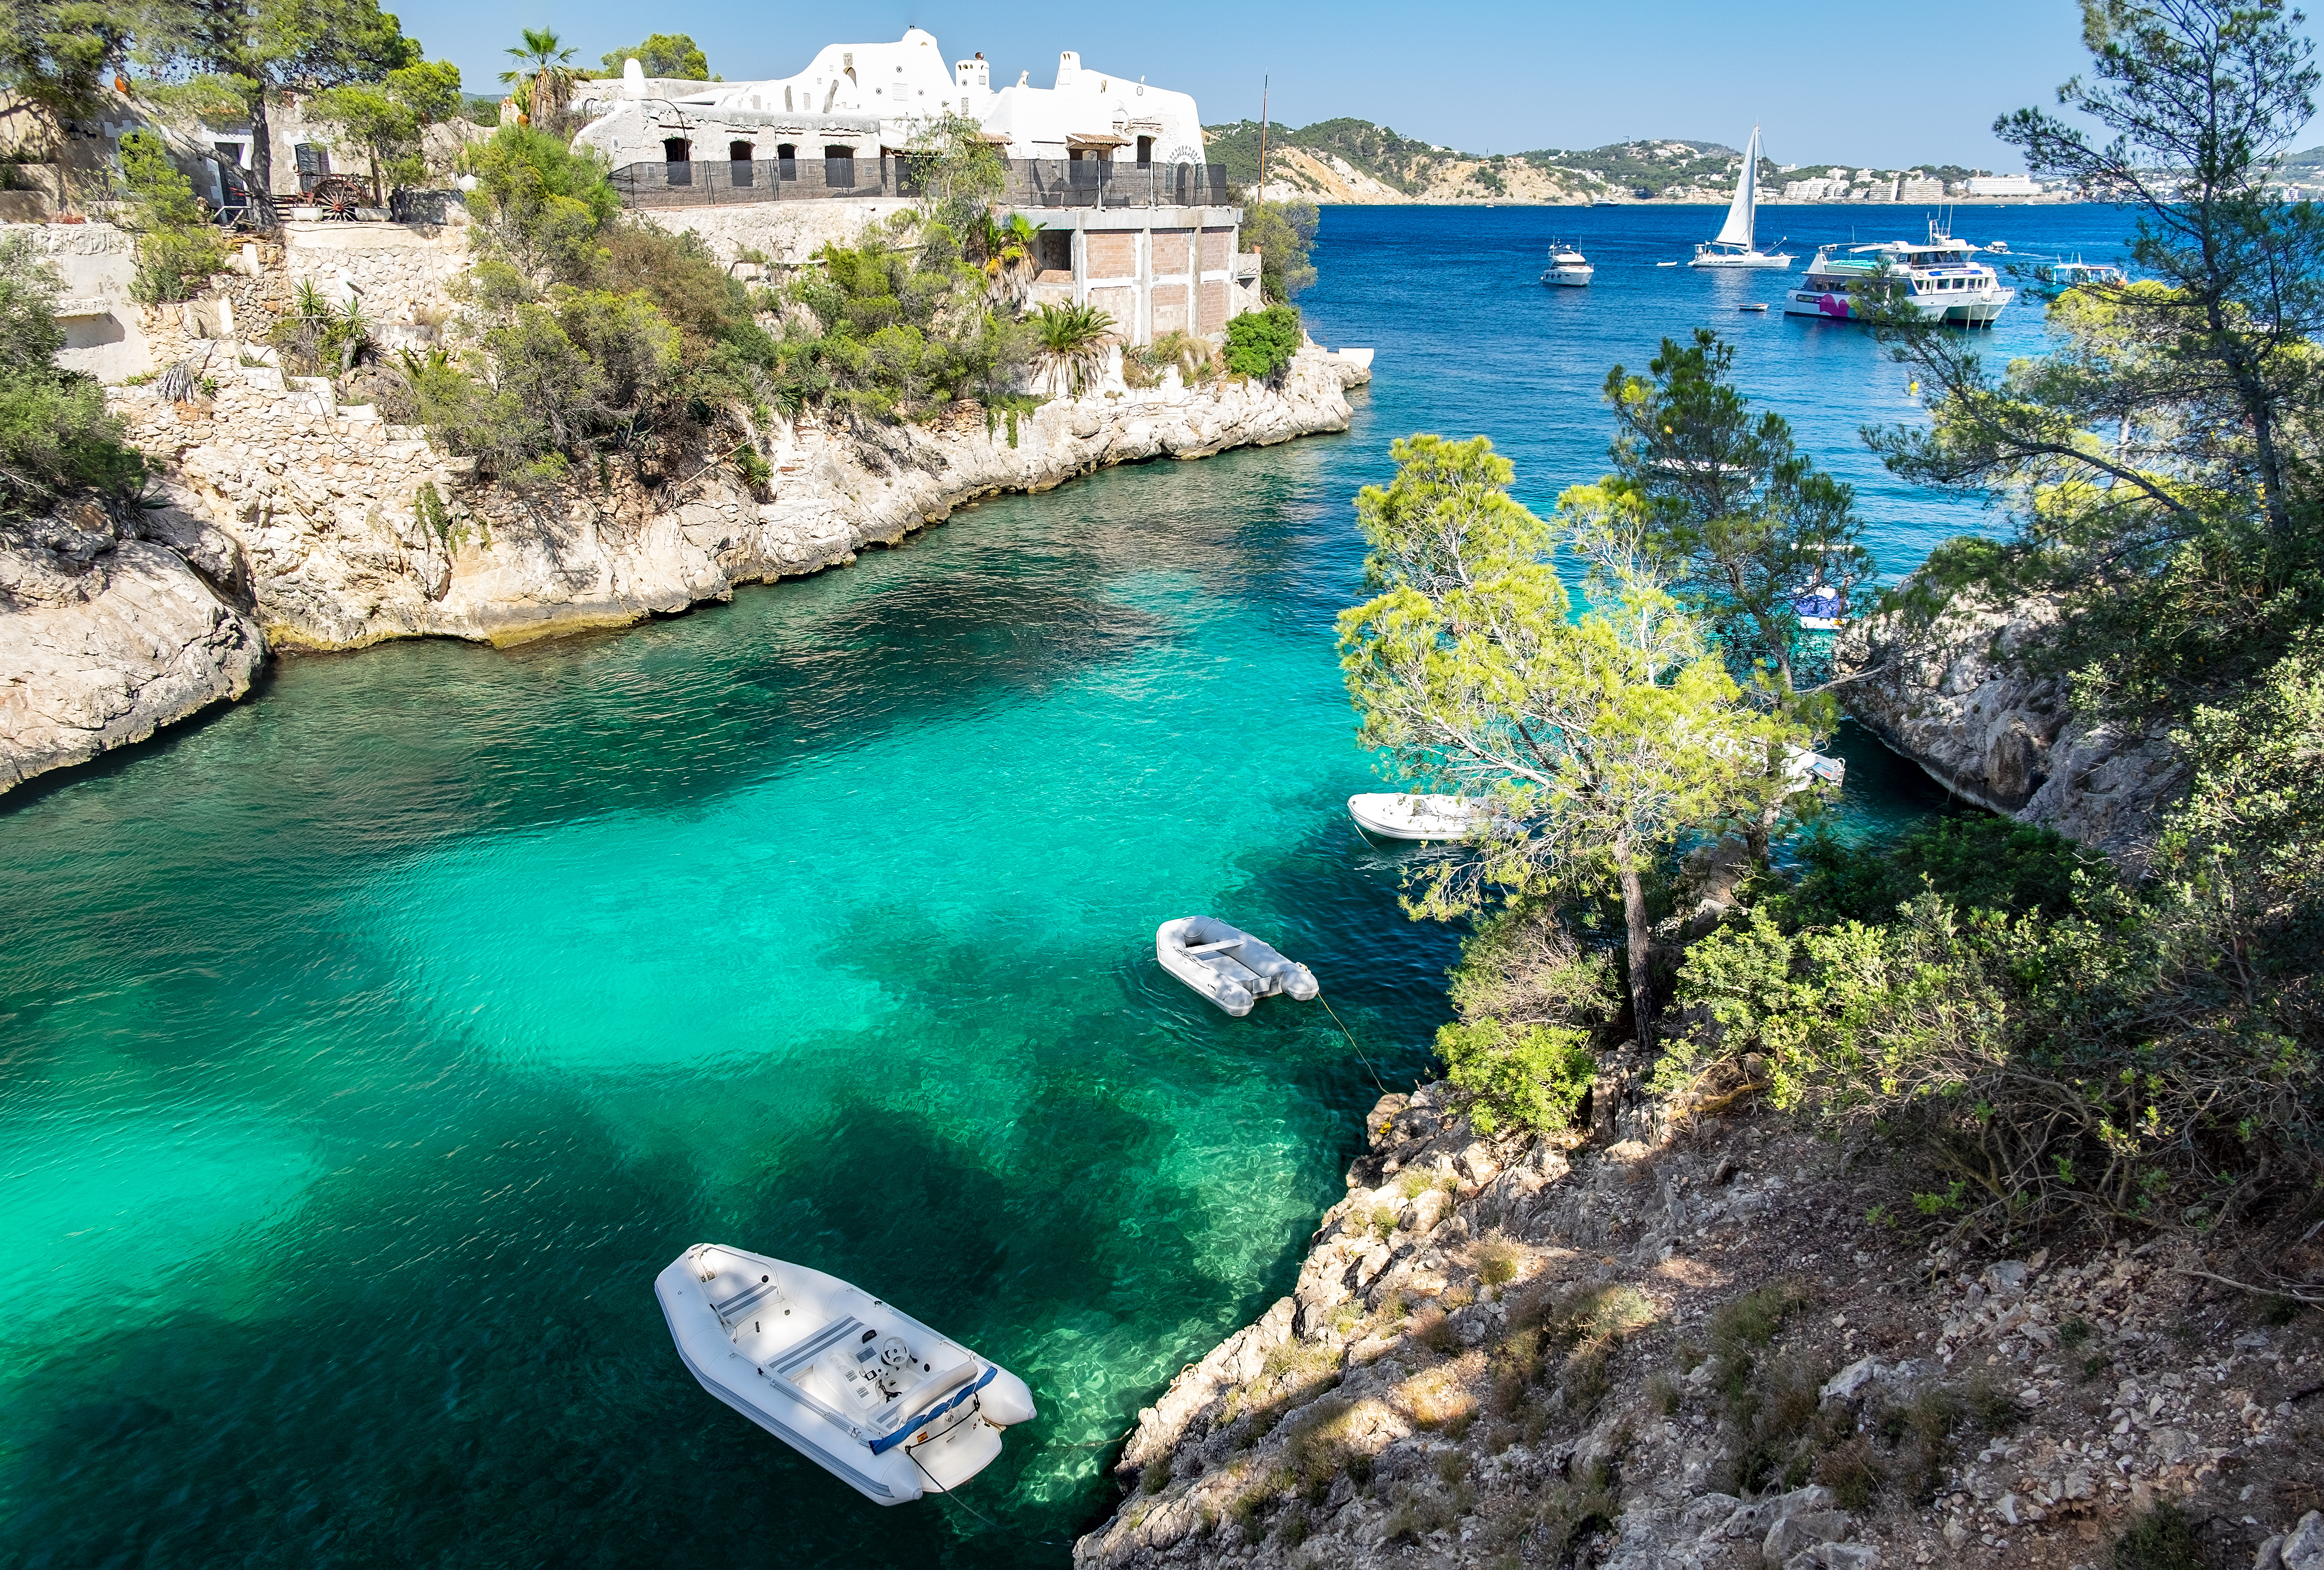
(1033, 183)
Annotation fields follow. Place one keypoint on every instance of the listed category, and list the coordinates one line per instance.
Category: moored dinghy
(868, 1394)
(1227, 965)
(1400, 815)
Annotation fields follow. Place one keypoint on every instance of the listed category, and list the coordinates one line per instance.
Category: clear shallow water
(366, 1049)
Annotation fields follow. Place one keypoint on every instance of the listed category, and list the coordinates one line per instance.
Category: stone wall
(105, 330)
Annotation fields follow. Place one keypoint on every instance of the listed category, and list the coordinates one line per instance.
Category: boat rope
(940, 1489)
(1351, 1035)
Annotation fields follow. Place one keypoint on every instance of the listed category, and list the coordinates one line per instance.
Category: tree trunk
(262, 162)
(1633, 918)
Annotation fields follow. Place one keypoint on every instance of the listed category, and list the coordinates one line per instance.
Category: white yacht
(1737, 244)
(1939, 278)
(1569, 266)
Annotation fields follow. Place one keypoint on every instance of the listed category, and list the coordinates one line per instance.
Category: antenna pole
(1263, 83)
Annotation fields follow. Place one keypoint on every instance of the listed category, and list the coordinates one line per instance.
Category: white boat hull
(786, 1340)
(1228, 965)
(1753, 260)
(1569, 277)
(1973, 309)
(1395, 816)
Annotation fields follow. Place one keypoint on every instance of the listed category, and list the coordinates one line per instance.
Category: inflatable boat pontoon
(871, 1395)
(1228, 965)
(1396, 815)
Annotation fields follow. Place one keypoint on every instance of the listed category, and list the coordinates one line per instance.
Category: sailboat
(1735, 245)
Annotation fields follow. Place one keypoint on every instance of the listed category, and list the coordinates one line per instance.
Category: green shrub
(1531, 1078)
(176, 250)
(1260, 342)
(2160, 1539)
(55, 435)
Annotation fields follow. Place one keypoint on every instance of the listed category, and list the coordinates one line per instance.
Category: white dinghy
(1396, 816)
(871, 1395)
(1228, 965)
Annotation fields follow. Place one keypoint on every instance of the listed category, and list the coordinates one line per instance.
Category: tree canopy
(664, 54)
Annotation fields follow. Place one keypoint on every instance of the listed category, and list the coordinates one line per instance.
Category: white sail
(1740, 214)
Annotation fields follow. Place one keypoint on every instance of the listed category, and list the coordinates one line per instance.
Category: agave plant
(1076, 342)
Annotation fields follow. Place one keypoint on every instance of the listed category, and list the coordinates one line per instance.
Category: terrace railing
(1033, 183)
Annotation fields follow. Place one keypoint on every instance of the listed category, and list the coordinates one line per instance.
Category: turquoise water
(366, 1049)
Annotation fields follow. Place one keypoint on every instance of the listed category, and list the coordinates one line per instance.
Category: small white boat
(1737, 243)
(868, 1394)
(1227, 965)
(1804, 769)
(1394, 814)
(1820, 609)
(1568, 266)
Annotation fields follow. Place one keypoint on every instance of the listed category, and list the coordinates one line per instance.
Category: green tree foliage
(176, 249)
(252, 51)
(2153, 459)
(664, 54)
(1260, 344)
(55, 436)
(541, 205)
(52, 56)
(384, 118)
(2145, 1054)
(1284, 236)
(1531, 1001)
(1600, 740)
(959, 175)
(1744, 520)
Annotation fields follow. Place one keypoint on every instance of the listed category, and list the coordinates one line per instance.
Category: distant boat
(2073, 275)
(1736, 243)
(1761, 306)
(1569, 267)
(1665, 263)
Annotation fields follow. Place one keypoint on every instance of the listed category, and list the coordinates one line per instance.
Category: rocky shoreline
(1562, 1352)
(292, 524)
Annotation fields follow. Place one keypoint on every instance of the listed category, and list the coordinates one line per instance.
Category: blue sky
(1877, 85)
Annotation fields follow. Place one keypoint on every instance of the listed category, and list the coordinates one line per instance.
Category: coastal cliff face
(1954, 697)
(107, 633)
(307, 528)
(1699, 1353)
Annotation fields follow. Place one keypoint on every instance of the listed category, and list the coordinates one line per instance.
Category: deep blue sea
(366, 1047)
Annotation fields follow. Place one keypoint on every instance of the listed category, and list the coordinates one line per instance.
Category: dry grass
(1497, 1260)
(1434, 1397)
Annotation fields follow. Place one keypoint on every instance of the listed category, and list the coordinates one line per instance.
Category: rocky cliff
(1699, 1353)
(1955, 697)
(106, 632)
(310, 528)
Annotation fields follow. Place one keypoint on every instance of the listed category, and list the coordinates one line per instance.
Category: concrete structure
(2002, 185)
(856, 100)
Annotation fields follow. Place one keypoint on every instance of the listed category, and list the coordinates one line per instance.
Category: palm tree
(1010, 259)
(1076, 342)
(548, 74)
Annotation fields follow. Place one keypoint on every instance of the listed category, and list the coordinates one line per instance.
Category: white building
(860, 100)
(2002, 185)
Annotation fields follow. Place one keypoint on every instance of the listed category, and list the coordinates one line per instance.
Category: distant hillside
(1355, 160)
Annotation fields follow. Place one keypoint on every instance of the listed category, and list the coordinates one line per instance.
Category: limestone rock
(1955, 698)
(2303, 1549)
(98, 652)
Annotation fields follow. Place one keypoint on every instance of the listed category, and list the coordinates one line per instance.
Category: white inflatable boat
(1228, 965)
(871, 1395)
(1396, 816)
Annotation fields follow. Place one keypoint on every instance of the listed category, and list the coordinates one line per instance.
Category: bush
(1260, 342)
(1532, 1077)
(1530, 1002)
(1283, 233)
(2160, 1539)
(55, 435)
(176, 250)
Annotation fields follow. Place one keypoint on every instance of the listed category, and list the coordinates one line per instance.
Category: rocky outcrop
(1701, 1354)
(1955, 697)
(301, 523)
(106, 634)
(326, 505)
